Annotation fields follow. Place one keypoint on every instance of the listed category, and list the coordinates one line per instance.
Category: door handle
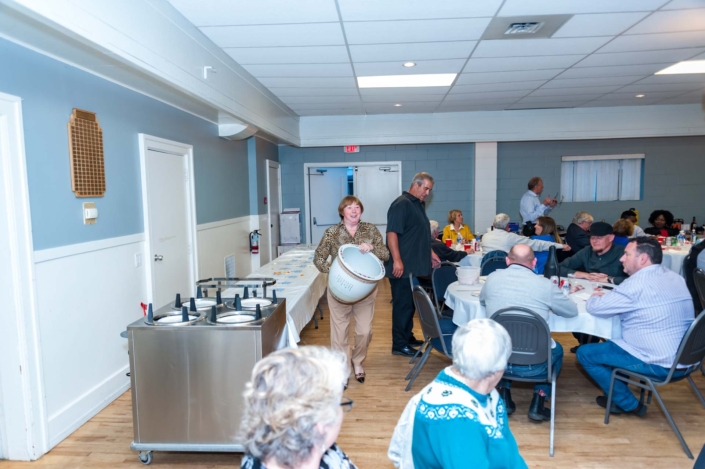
(314, 220)
(158, 258)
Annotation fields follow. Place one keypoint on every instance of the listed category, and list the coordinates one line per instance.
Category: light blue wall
(674, 176)
(451, 165)
(50, 90)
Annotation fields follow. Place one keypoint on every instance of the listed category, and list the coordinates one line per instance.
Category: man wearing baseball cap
(599, 262)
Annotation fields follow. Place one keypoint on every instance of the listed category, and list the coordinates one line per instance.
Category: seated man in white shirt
(655, 310)
(500, 239)
(518, 285)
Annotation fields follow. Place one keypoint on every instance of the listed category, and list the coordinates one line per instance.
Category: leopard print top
(337, 235)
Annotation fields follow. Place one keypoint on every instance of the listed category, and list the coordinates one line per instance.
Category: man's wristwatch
(610, 280)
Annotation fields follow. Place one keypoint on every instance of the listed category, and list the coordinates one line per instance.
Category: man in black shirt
(578, 233)
(409, 242)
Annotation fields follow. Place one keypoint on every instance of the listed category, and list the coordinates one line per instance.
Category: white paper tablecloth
(299, 282)
(473, 260)
(465, 302)
(673, 257)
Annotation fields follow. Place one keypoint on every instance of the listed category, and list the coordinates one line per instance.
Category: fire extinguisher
(254, 242)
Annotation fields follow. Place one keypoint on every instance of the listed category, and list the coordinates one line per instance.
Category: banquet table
(673, 257)
(465, 302)
(299, 281)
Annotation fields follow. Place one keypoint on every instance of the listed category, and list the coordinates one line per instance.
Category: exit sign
(352, 148)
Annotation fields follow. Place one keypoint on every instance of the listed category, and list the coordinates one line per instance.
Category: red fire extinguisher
(254, 242)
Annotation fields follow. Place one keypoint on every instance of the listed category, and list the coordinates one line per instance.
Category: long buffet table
(299, 282)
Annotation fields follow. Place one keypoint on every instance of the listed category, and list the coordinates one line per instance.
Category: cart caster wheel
(145, 457)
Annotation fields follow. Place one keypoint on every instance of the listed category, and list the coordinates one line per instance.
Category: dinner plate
(253, 302)
(236, 318)
(174, 319)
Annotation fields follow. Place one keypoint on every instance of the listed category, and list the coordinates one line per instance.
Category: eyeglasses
(346, 403)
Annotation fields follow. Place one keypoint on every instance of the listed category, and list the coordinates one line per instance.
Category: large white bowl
(353, 275)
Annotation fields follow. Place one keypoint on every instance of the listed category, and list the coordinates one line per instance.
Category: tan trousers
(340, 314)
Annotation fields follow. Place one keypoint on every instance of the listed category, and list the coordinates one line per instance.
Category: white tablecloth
(299, 282)
(473, 260)
(465, 302)
(673, 257)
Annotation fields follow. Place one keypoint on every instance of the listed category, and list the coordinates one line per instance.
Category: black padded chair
(437, 333)
(441, 278)
(691, 351)
(699, 280)
(531, 345)
(493, 260)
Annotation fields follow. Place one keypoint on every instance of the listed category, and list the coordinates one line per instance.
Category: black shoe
(574, 349)
(416, 342)
(406, 351)
(537, 411)
(506, 395)
(640, 410)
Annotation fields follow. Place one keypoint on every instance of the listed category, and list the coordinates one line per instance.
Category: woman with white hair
(294, 410)
(460, 420)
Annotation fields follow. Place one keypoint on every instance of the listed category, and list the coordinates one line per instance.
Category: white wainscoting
(223, 238)
(86, 295)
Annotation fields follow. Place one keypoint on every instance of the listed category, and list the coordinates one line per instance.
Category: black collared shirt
(407, 218)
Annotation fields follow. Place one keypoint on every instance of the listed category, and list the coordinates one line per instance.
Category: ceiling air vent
(523, 28)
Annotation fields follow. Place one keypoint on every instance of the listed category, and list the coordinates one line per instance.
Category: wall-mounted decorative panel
(86, 152)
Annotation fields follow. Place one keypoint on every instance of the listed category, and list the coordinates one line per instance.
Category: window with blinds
(601, 178)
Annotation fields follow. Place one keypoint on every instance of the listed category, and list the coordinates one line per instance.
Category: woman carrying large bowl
(351, 230)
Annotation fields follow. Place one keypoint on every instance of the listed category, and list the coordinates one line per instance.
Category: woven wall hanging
(86, 154)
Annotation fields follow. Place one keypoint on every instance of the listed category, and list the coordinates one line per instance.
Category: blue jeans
(599, 360)
(532, 371)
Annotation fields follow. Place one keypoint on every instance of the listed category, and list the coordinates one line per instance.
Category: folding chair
(437, 333)
(440, 279)
(531, 345)
(690, 352)
(494, 260)
(699, 280)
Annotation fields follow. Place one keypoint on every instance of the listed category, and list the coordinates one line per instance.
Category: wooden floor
(582, 440)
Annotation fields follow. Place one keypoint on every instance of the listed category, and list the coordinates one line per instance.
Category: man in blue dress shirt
(531, 207)
(655, 310)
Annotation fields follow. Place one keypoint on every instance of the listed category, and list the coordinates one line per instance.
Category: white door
(274, 206)
(327, 186)
(377, 187)
(169, 220)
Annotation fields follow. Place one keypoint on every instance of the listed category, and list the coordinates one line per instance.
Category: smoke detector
(524, 28)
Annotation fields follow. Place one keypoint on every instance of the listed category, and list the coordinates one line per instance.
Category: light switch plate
(89, 207)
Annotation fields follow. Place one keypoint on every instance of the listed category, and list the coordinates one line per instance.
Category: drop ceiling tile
(687, 98)
(296, 100)
(545, 105)
(651, 96)
(406, 108)
(480, 100)
(442, 90)
(506, 77)
(558, 82)
(367, 69)
(562, 7)
(314, 34)
(575, 91)
(519, 85)
(557, 99)
(411, 51)
(617, 103)
(636, 58)
(516, 94)
(520, 63)
(612, 71)
(604, 24)
(671, 21)
(403, 98)
(375, 10)
(303, 106)
(330, 112)
(646, 88)
(386, 32)
(228, 12)
(314, 91)
(340, 82)
(534, 47)
(470, 107)
(300, 70)
(683, 4)
(288, 55)
(651, 42)
(684, 78)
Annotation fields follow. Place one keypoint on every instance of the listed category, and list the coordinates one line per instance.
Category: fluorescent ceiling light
(406, 81)
(687, 66)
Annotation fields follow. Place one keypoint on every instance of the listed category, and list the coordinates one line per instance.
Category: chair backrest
(531, 337)
(441, 278)
(413, 281)
(493, 260)
(428, 317)
(692, 348)
(699, 280)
